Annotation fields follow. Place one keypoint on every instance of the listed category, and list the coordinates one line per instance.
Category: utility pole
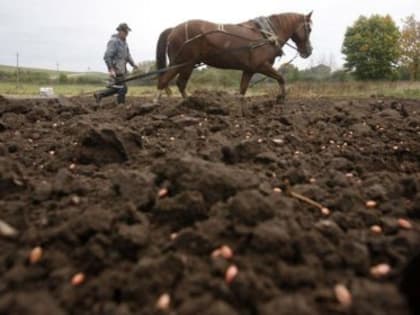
(17, 71)
(58, 72)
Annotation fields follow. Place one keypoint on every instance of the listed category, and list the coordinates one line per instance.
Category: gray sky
(74, 33)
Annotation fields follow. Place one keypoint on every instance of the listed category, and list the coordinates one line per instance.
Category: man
(116, 57)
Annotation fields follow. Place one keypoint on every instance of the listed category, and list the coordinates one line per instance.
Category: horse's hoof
(185, 95)
(168, 91)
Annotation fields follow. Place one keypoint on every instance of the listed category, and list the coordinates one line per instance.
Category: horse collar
(267, 29)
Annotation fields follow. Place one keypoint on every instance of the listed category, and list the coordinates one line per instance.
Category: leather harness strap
(266, 28)
(186, 31)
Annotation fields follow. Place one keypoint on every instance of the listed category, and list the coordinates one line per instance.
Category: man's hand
(112, 73)
(135, 68)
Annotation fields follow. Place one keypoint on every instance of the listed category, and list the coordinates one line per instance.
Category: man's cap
(124, 27)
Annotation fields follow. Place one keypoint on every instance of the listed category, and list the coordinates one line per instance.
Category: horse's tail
(161, 49)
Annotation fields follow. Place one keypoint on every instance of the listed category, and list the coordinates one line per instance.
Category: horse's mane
(287, 21)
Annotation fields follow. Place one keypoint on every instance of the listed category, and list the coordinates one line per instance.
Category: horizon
(43, 46)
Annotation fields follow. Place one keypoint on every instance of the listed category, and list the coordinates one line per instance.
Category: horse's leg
(163, 83)
(269, 71)
(246, 78)
(183, 78)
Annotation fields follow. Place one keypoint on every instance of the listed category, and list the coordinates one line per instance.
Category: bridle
(306, 25)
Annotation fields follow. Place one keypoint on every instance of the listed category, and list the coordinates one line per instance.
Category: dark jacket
(117, 55)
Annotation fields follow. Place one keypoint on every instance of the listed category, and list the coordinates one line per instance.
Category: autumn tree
(371, 47)
(410, 46)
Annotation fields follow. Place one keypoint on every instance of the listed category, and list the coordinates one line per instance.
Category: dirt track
(83, 183)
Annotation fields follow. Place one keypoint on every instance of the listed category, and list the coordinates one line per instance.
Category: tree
(371, 47)
(340, 76)
(216, 77)
(63, 78)
(404, 73)
(146, 66)
(142, 68)
(291, 72)
(316, 73)
(410, 46)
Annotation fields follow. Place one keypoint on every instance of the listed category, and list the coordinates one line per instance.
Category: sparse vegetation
(45, 76)
(309, 89)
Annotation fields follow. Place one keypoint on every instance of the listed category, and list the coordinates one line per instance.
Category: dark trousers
(119, 88)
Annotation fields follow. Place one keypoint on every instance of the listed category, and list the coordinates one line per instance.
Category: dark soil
(219, 157)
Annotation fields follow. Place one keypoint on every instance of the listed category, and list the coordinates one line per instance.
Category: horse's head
(302, 34)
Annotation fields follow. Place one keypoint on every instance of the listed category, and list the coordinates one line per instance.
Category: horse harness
(266, 28)
(220, 28)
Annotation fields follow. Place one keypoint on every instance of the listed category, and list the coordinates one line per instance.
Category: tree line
(45, 77)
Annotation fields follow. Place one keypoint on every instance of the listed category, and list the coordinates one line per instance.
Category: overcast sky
(74, 33)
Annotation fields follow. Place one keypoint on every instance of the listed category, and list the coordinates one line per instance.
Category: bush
(63, 79)
(217, 77)
(340, 76)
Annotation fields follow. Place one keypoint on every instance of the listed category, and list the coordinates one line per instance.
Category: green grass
(299, 89)
(401, 89)
(66, 89)
(352, 89)
(33, 89)
(226, 82)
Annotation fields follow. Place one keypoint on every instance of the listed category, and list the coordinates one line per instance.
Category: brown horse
(245, 46)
